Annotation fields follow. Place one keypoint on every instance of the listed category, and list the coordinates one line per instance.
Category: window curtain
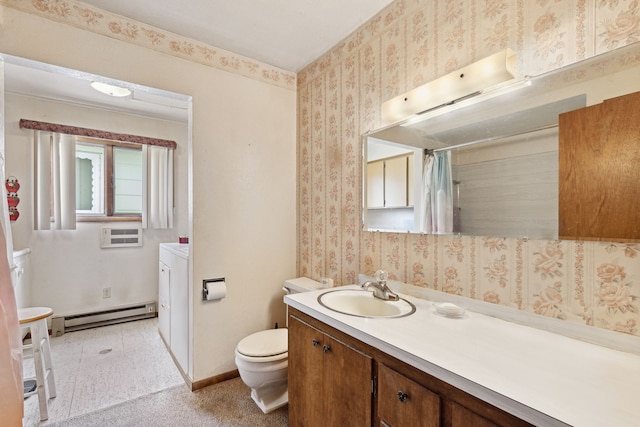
(55, 181)
(157, 195)
(436, 212)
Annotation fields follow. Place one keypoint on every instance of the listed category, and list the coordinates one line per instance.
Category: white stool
(35, 318)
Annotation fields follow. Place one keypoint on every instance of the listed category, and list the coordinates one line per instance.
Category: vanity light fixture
(111, 90)
(487, 94)
(466, 82)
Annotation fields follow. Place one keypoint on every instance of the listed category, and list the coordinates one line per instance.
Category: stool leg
(36, 340)
(48, 366)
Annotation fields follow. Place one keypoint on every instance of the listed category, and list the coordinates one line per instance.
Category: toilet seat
(264, 346)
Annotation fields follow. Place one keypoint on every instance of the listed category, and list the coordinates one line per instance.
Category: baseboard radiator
(94, 319)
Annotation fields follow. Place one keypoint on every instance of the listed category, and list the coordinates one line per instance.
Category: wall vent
(120, 237)
(104, 317)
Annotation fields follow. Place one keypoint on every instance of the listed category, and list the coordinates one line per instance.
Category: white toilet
(262, 357)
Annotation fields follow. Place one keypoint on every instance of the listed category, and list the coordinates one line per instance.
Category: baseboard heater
(94, 319)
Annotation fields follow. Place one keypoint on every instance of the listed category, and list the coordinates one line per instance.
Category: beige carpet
(225, 404)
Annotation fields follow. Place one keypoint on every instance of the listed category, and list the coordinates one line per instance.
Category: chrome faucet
(380, 288)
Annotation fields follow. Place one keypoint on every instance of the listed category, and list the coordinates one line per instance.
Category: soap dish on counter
(448, 309)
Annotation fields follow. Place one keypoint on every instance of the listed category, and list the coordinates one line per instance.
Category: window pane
(127, 171)
(89, 179)
(83, 184)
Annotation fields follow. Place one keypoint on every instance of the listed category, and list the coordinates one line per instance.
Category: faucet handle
(381, 276)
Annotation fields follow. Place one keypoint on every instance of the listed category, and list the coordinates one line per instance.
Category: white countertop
(180, 249)
(541, 377)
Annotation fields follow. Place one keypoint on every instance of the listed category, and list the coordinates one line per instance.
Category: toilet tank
(300, 284)
(297, 285)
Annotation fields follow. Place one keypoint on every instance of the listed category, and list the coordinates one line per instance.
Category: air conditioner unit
(120, 237)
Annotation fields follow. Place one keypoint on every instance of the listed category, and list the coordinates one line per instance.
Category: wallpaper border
(118, 27)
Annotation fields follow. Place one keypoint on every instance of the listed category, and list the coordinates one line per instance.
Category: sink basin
(362, 303)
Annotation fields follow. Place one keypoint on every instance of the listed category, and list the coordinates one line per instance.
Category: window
(89, 179)
(110, 173)
(109, 180)
(127, 178)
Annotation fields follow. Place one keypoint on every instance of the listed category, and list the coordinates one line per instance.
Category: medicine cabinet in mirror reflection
(488, 165)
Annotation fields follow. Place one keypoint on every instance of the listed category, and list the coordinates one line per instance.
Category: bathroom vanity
(430, 370)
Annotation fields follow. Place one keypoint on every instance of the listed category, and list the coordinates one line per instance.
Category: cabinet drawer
(403, 402)
(462, 417)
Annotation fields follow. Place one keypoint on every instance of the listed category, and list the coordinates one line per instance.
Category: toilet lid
(264, 343)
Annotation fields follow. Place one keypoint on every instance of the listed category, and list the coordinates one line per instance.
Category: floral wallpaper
(99, 21)
(410, 43)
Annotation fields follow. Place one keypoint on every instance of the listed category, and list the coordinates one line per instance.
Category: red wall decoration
(12, 185)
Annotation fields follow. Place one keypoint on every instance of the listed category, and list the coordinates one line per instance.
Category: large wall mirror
(497, 152)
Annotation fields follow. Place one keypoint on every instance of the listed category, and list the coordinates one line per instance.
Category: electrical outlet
(106, 292)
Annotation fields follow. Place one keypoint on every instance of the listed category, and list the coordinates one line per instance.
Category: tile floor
(100, 367)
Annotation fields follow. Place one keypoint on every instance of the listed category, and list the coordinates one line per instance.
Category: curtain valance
(73, 130)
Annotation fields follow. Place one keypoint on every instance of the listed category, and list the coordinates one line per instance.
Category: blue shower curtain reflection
(437, 198)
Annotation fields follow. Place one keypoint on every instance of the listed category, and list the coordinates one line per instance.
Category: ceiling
(35, 79)
(288, 34)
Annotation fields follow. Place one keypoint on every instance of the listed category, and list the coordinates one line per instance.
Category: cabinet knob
(315, 342)
(402, 396)
(326, 348)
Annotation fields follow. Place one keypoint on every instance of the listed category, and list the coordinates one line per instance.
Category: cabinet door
(403, 402)
(395, 182)
(347, 385)
(305, 375)
(164, 307)
(329, 382)
(180, 311)
(375, 184)
(599, 197)
(410, 179)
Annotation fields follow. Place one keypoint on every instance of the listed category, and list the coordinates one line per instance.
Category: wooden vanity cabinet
(329, 382)
(355, 384)
(599, 195)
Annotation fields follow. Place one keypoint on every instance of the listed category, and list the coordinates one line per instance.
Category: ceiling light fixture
(111, 90)
(468, 81)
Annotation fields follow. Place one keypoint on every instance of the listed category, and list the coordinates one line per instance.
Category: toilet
(262, 357)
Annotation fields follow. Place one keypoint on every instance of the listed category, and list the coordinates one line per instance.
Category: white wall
(69, 269)
(242, 178)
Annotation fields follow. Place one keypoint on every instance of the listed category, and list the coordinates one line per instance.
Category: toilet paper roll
(216, 290)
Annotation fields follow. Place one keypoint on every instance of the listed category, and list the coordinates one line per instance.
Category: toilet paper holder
(205, 286)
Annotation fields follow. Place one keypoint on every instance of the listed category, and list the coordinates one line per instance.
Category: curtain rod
(493, 138)
(73, 130)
